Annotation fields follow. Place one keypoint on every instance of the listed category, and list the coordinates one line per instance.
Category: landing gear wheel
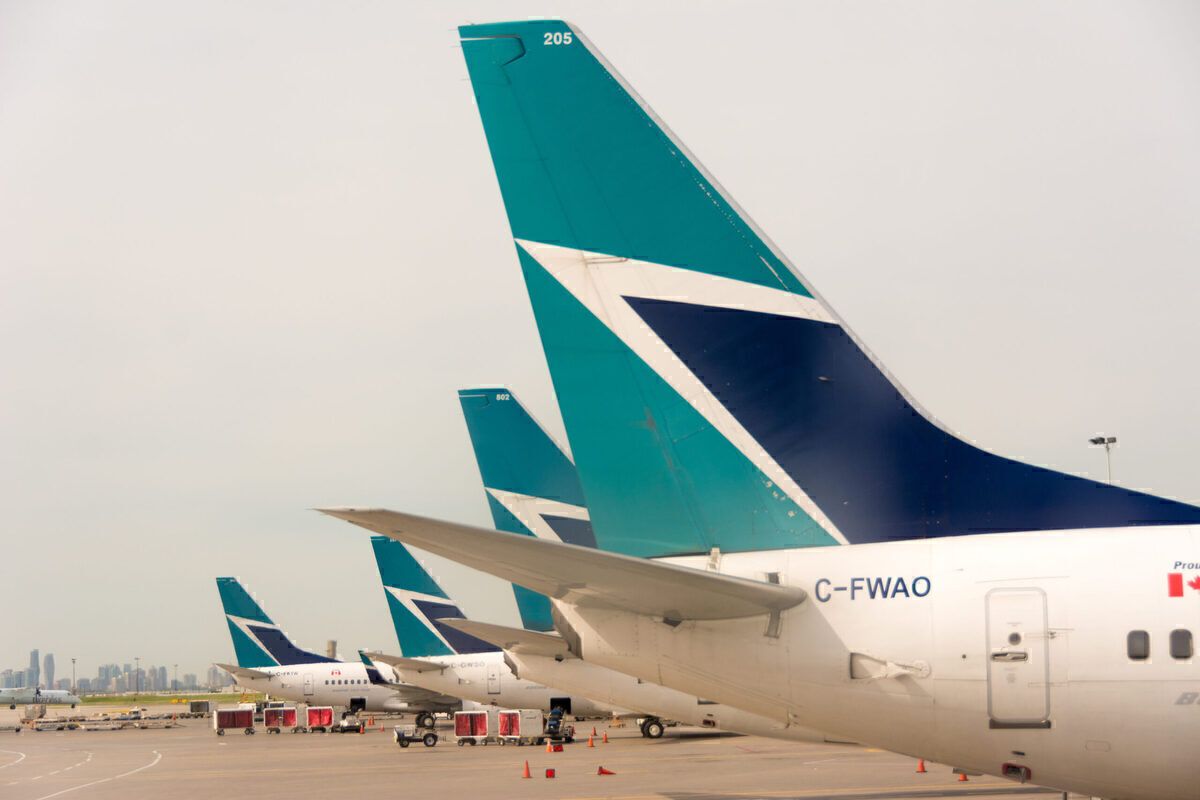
(653, 729)
(426, 720)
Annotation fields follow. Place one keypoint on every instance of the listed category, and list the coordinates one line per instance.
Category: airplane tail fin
(711, 398)
(417, 605)
(257, 640)
(531, 485)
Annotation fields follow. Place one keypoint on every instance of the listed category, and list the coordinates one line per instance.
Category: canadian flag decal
(1175, 584)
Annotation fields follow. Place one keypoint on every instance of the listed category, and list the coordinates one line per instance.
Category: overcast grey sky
(249, 250)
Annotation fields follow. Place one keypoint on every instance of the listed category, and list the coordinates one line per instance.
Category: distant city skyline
(112, 676)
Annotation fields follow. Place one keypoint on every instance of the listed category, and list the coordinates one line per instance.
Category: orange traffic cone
(526, 774)
(591, 742)
(603, 771)
(549, 747)
(962, 777)
(921, 766)
(371, 721)
(594, 731)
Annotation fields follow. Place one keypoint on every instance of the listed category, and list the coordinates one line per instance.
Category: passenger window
(1181, 643)
(1137, 644)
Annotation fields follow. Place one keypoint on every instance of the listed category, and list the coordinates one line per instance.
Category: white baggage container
(521, 726)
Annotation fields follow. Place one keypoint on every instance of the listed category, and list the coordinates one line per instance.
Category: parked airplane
(33, 696)
(533, 489)
(453, 662)
(1034, 642)
(268, 661)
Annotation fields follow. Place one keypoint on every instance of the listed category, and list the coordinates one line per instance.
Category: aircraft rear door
(493, 678)
(1018, 667)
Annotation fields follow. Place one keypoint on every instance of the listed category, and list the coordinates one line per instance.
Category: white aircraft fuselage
(486, 679)
(30, 696)
(327, 684)
(1006, 654)
(609, 686)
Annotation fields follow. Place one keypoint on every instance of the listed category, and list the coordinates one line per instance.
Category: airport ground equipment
(557, 728)
(233, 719)
(521, 726)
(349, 723)
(204, 707)
(475, 727)
(404, 735)
(318, 719)
(277, 720)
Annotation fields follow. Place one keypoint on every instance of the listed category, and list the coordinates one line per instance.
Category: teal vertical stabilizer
(237, 602)
(418, 604)
(515, 454)
(583, 164)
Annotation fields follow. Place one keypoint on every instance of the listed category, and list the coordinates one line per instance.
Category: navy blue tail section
(873, 463)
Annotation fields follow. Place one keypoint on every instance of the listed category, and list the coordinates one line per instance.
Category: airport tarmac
(688, 764)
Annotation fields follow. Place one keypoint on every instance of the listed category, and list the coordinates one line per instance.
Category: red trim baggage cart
(520, 726)
(276, 720)
(475, 727)
(319, 718)
(232, 719)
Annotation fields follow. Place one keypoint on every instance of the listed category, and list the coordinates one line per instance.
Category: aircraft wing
(581, 575)
(514, 640)
(409, 664)
(245, 672)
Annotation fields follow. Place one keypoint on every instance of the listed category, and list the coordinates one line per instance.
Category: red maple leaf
(1194, 583)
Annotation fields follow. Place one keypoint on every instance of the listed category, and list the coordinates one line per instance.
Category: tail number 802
(557, 38)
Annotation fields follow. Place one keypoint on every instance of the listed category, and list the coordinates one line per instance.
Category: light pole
(73, 688)
(1106, 442)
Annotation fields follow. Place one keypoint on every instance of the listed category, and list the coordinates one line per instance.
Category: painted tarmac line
(12, 763)
(157, 758)
(871, 793)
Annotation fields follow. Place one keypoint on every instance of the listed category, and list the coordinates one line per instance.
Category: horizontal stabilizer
(410, 664)
(580, 575)
(245, 672)
(514, 640)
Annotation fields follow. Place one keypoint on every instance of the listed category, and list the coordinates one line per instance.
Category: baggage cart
(318, 718)
(475, 727)
(233, 719)
(520, 726)
(277, 720)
